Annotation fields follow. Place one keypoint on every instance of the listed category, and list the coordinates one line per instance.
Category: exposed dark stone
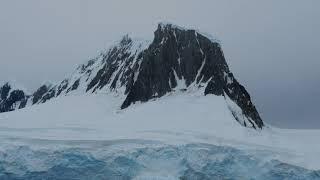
(24, 102)
(112, 72)
(96, 79)
(4, 91)
(39, 93)
(63, 85)
(74, 86)
(10, 98)
(50, 94)
(173, 51)
(213, 87)
(193, 58)
(239, 95)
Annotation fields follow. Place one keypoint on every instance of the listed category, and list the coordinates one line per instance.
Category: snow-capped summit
(176, 60)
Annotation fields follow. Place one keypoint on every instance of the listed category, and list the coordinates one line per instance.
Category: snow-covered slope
(170, 137)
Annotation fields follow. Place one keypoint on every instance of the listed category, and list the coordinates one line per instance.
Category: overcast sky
(271, 46)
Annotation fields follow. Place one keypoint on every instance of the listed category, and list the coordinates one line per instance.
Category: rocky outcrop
(183, 58)
(11, 98)
(177, 59)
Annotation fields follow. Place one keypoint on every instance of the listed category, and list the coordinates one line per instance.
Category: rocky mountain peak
(126, 40)
(180, 59)
(176, 60)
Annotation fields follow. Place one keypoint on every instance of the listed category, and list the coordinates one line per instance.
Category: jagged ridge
(176, 60)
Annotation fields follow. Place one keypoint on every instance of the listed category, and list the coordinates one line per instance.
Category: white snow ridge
(77, 129)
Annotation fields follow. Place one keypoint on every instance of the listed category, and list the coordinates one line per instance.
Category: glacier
(138, 159)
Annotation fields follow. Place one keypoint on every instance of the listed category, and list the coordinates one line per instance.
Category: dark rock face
(178, 54)
(176, 60)
(62, 86)
(39, 94)
(49, 95)
(11, 99)
(4, 91)
(175, 54)
(119, 67)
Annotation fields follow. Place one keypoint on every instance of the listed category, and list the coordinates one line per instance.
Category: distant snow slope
(178, 119)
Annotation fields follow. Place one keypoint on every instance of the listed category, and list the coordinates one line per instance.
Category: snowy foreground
(185, 136)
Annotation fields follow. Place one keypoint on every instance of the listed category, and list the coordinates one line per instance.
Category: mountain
(176, 60)
(163, 109)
